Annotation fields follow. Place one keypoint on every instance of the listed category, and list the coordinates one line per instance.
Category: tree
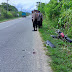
(10, 7)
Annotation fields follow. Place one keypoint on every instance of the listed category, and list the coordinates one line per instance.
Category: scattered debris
(23, 56)
(23, 50)
(34, 52)
(50, 44)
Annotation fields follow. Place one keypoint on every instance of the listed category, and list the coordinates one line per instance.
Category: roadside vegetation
(57, 14)
(10, 14)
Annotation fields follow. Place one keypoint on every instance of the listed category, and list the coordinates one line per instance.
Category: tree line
(11, 13)
(60, 13)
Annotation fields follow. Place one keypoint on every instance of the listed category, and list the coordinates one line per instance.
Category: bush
(65, 21)
(1, 17)
(14, 14)
(52, 9)
(58, 15)
(9, 15)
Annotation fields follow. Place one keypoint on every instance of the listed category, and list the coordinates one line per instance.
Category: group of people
(37, 19)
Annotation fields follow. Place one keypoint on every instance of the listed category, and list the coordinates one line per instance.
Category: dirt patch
(43, 61)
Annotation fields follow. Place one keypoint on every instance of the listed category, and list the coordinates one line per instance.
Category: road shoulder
(42, 59)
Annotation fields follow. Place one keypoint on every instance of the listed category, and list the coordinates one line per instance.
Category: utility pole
(37, 3)
(21, 8)
(7, 5)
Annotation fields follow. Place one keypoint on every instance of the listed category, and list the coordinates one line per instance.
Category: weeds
(62, 54)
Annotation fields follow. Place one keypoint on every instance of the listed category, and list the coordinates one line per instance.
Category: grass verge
(3, 20)
(61, 55)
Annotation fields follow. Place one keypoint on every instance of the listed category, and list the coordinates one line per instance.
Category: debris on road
(23, 56)
(34, 52)
(23, 50)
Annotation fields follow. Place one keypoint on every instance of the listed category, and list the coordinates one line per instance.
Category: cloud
(24, 5)
(34, 7)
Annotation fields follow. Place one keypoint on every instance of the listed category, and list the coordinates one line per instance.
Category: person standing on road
(32, 16)
(34, 20)
(39, 19)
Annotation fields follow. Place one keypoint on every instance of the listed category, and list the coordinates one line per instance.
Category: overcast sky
(24, 5)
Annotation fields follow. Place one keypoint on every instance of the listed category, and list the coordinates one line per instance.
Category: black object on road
(50, 44)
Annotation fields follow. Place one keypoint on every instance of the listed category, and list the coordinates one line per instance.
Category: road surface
(21, 49)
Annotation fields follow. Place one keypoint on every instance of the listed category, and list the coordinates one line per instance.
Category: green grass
(61, 55)
(3, 20)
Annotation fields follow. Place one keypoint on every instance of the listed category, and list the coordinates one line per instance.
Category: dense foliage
(58, 15)
(60, 12)
(12, 11)
(10, 7)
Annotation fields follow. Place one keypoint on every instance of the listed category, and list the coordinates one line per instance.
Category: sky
(24, 5)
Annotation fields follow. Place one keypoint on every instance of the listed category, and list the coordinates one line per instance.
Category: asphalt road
(17, 47)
